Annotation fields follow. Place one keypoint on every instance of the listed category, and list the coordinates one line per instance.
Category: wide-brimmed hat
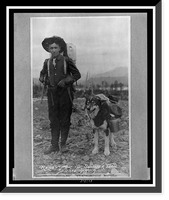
(54, 39)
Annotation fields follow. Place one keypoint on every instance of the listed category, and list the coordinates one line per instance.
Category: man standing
(59, 73)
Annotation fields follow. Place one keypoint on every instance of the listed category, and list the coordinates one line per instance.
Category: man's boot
(64, 135)
(50, 150)
(55, 133)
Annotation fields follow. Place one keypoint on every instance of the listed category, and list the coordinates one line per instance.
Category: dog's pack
(101, 111)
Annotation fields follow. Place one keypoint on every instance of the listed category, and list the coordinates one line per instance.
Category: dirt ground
(79, 160)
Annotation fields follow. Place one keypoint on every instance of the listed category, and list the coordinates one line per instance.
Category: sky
(102, 43)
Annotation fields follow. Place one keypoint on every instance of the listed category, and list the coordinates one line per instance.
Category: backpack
(115, 109)
(71, 52)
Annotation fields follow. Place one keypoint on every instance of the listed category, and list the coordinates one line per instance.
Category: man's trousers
(60, 110)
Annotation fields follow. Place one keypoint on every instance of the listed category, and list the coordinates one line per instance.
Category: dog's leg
(112, 142)
(106, 147)
(95, 150)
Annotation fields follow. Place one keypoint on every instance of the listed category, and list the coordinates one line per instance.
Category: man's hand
(69, 79)
(61, 83)
(41, 79)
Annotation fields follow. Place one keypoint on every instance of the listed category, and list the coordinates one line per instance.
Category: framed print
(84, 99)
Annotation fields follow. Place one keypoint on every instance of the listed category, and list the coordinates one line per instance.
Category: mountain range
(116, 72)
(119, 74)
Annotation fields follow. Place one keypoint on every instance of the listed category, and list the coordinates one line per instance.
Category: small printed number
(85, 181)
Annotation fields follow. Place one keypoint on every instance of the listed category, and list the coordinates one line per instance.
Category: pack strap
(48, 68)
(48, 71)
(68, 89)
(65, 66)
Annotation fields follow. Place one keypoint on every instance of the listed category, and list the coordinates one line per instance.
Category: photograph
(80, 76)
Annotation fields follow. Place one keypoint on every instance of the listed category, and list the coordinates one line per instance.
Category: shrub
(37, 90)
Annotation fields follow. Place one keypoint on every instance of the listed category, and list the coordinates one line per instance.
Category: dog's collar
(92, 110)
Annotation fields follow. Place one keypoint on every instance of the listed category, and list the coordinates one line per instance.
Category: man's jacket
(54, 71)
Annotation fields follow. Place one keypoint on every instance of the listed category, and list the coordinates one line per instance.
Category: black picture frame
(158, 188)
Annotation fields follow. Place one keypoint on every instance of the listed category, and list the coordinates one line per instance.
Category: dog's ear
(99, 100)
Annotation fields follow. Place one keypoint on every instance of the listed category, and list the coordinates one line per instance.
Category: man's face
(54, 49)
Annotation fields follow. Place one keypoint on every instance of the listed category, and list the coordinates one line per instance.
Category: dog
(100, 111)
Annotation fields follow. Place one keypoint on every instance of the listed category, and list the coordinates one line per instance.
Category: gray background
(23, 100)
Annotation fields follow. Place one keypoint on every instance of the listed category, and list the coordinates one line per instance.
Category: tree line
(104, 85)
(116, 88)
